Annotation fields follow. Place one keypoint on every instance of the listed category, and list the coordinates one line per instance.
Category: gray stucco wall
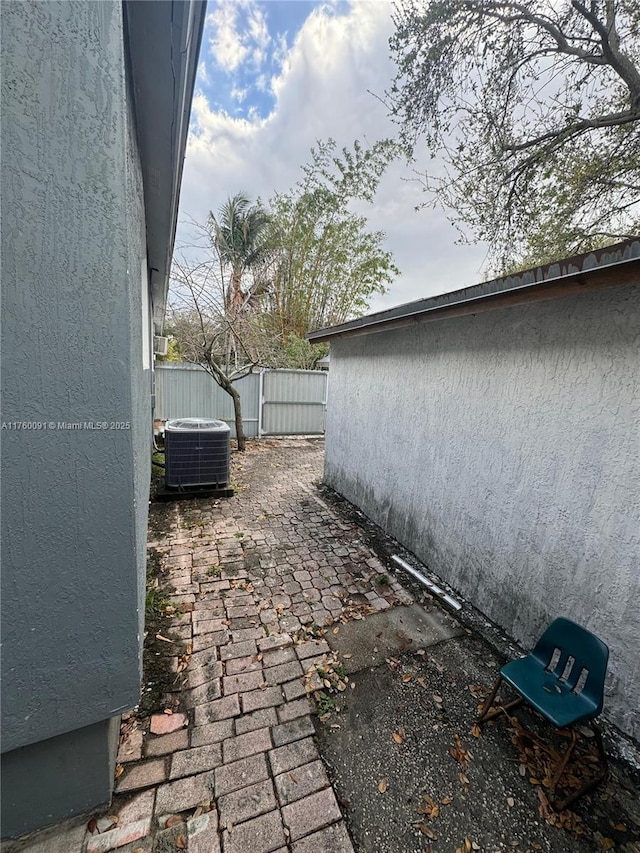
(502, 449)
(74, 501)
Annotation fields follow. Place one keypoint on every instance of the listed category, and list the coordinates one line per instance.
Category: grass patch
(326, 703)
(382, 580)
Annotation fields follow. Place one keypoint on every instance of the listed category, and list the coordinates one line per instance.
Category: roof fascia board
(613, 275)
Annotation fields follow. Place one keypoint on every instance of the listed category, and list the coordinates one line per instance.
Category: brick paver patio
(224, 756)
(234, 768)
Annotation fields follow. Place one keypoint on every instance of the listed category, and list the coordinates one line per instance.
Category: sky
(276, 76)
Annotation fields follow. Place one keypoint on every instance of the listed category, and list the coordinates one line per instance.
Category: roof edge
(561, 278)
(163, 40)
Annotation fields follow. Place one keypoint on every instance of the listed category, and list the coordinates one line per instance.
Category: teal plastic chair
(562, 678)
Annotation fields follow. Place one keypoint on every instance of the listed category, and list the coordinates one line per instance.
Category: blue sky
(276, 76)
(245, 46)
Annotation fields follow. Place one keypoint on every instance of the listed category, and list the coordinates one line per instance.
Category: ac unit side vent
(160, 345)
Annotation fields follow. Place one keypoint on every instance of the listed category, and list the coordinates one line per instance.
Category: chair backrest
(575, 656)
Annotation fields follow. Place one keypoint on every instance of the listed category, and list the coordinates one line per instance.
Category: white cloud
(226, 47)
(322, 90)
(239, 94)
(258, 27)
(232, 39)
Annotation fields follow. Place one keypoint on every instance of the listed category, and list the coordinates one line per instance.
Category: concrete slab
(62, 838)
(481, 794)
(382, 635)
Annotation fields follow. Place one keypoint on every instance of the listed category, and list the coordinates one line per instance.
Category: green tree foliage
(323, 263)
(535, 106)
(266, 275)
(237, 234)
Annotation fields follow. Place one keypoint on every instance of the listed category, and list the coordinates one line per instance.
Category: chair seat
(544, 692)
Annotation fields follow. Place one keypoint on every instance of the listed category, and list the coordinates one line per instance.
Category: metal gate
(293, 402)
(274, 402)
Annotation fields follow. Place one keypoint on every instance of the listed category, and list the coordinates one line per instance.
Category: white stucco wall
(502, 449)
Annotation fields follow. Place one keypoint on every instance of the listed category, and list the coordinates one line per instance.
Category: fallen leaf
(424, 829)
(398, 736)
(446, 801)
(476, 731)
(511, 801)
(119, 771)
(172, 820)
(181, 842)
(407, 678)
(168, 711)
(336, 629)
(437, 699)
(383, 786)
(347, 655)
(607, 843)
(429, 808)
(421, 681)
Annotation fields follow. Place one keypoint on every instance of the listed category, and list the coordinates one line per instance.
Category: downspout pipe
(432, 587)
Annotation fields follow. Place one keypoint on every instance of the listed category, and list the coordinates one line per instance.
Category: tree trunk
(237, 410)
(223, 381)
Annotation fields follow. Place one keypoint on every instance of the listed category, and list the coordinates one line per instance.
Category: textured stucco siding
(74, 502)
(502, 449)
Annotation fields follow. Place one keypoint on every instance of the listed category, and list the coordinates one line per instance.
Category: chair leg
(567, 801)
(565, 760)
(484, 714)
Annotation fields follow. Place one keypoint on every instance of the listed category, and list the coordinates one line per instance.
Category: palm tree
(237, 235)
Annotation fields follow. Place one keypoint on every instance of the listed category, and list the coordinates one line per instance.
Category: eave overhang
(614, 266)
(163, 45)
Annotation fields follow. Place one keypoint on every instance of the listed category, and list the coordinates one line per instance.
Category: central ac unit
(197, 452)
(160, 345)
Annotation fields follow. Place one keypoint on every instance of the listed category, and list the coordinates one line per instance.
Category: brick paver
(333, 839)
(184, 793)
(246, 803)
(301, 782)
(241, 774)
(311, 813)
(260, 835)
(292, 755)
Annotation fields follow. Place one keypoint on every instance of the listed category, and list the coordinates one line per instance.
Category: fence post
(260, 401)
